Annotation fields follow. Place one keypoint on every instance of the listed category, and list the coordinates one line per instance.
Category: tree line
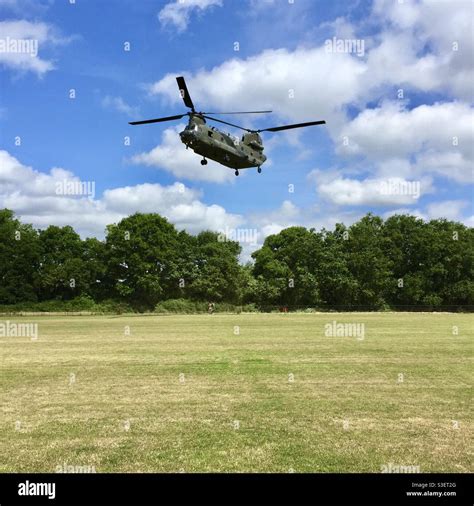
(401, 262)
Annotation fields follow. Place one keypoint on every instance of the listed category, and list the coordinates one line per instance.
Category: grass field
(249, 392)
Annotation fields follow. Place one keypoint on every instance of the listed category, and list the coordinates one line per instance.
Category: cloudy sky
(392, 78)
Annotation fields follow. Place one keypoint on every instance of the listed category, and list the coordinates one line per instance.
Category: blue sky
(399, 113)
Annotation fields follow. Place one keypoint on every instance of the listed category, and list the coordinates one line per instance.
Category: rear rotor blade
(240, 112)
(183, 89)
(157, 120)
(226, 123)
(289, 127)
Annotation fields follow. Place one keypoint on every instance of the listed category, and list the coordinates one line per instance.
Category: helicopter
(209, 142)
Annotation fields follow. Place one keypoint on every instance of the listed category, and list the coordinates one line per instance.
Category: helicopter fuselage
(211, 143)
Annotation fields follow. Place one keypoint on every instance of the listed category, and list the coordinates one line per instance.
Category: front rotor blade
(289, 127)
(157, 120)
(240, 112)
(226, 123)
(183, 89)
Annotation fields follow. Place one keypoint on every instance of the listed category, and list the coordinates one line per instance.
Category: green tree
(95, 268)
(407, 246)
(433, 263)
(367, 263)
(403, 261)
(19, 260)
(217, 275)
(449, 263)
(63, 274)
(338, 286)
(142, 256)
(285, 268)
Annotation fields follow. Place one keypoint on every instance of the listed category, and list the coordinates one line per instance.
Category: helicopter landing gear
(203, 161)
(259, 169)
(236, 172)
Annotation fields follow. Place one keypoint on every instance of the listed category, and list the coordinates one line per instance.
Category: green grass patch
(241, 392)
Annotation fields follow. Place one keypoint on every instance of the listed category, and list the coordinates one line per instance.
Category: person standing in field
(210, 307)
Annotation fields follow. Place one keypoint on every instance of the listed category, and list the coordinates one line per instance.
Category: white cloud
(395, 61)
(15, 177)
(411, 27)
(449, 209)
(449, 164)
(392, 130)
(286, 215)
(178, 13)
(119, 104)
(301, 84)
(32, 195)
(38, 35)
(171, 155)
(439, 137)
(197, 216)
(413, 49)
(374, 191)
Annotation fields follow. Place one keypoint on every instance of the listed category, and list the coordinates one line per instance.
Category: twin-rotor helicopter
(209, 142)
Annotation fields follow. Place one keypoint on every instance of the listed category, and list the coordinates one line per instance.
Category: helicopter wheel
(203, 161)
(259, 169)
(236, 172)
